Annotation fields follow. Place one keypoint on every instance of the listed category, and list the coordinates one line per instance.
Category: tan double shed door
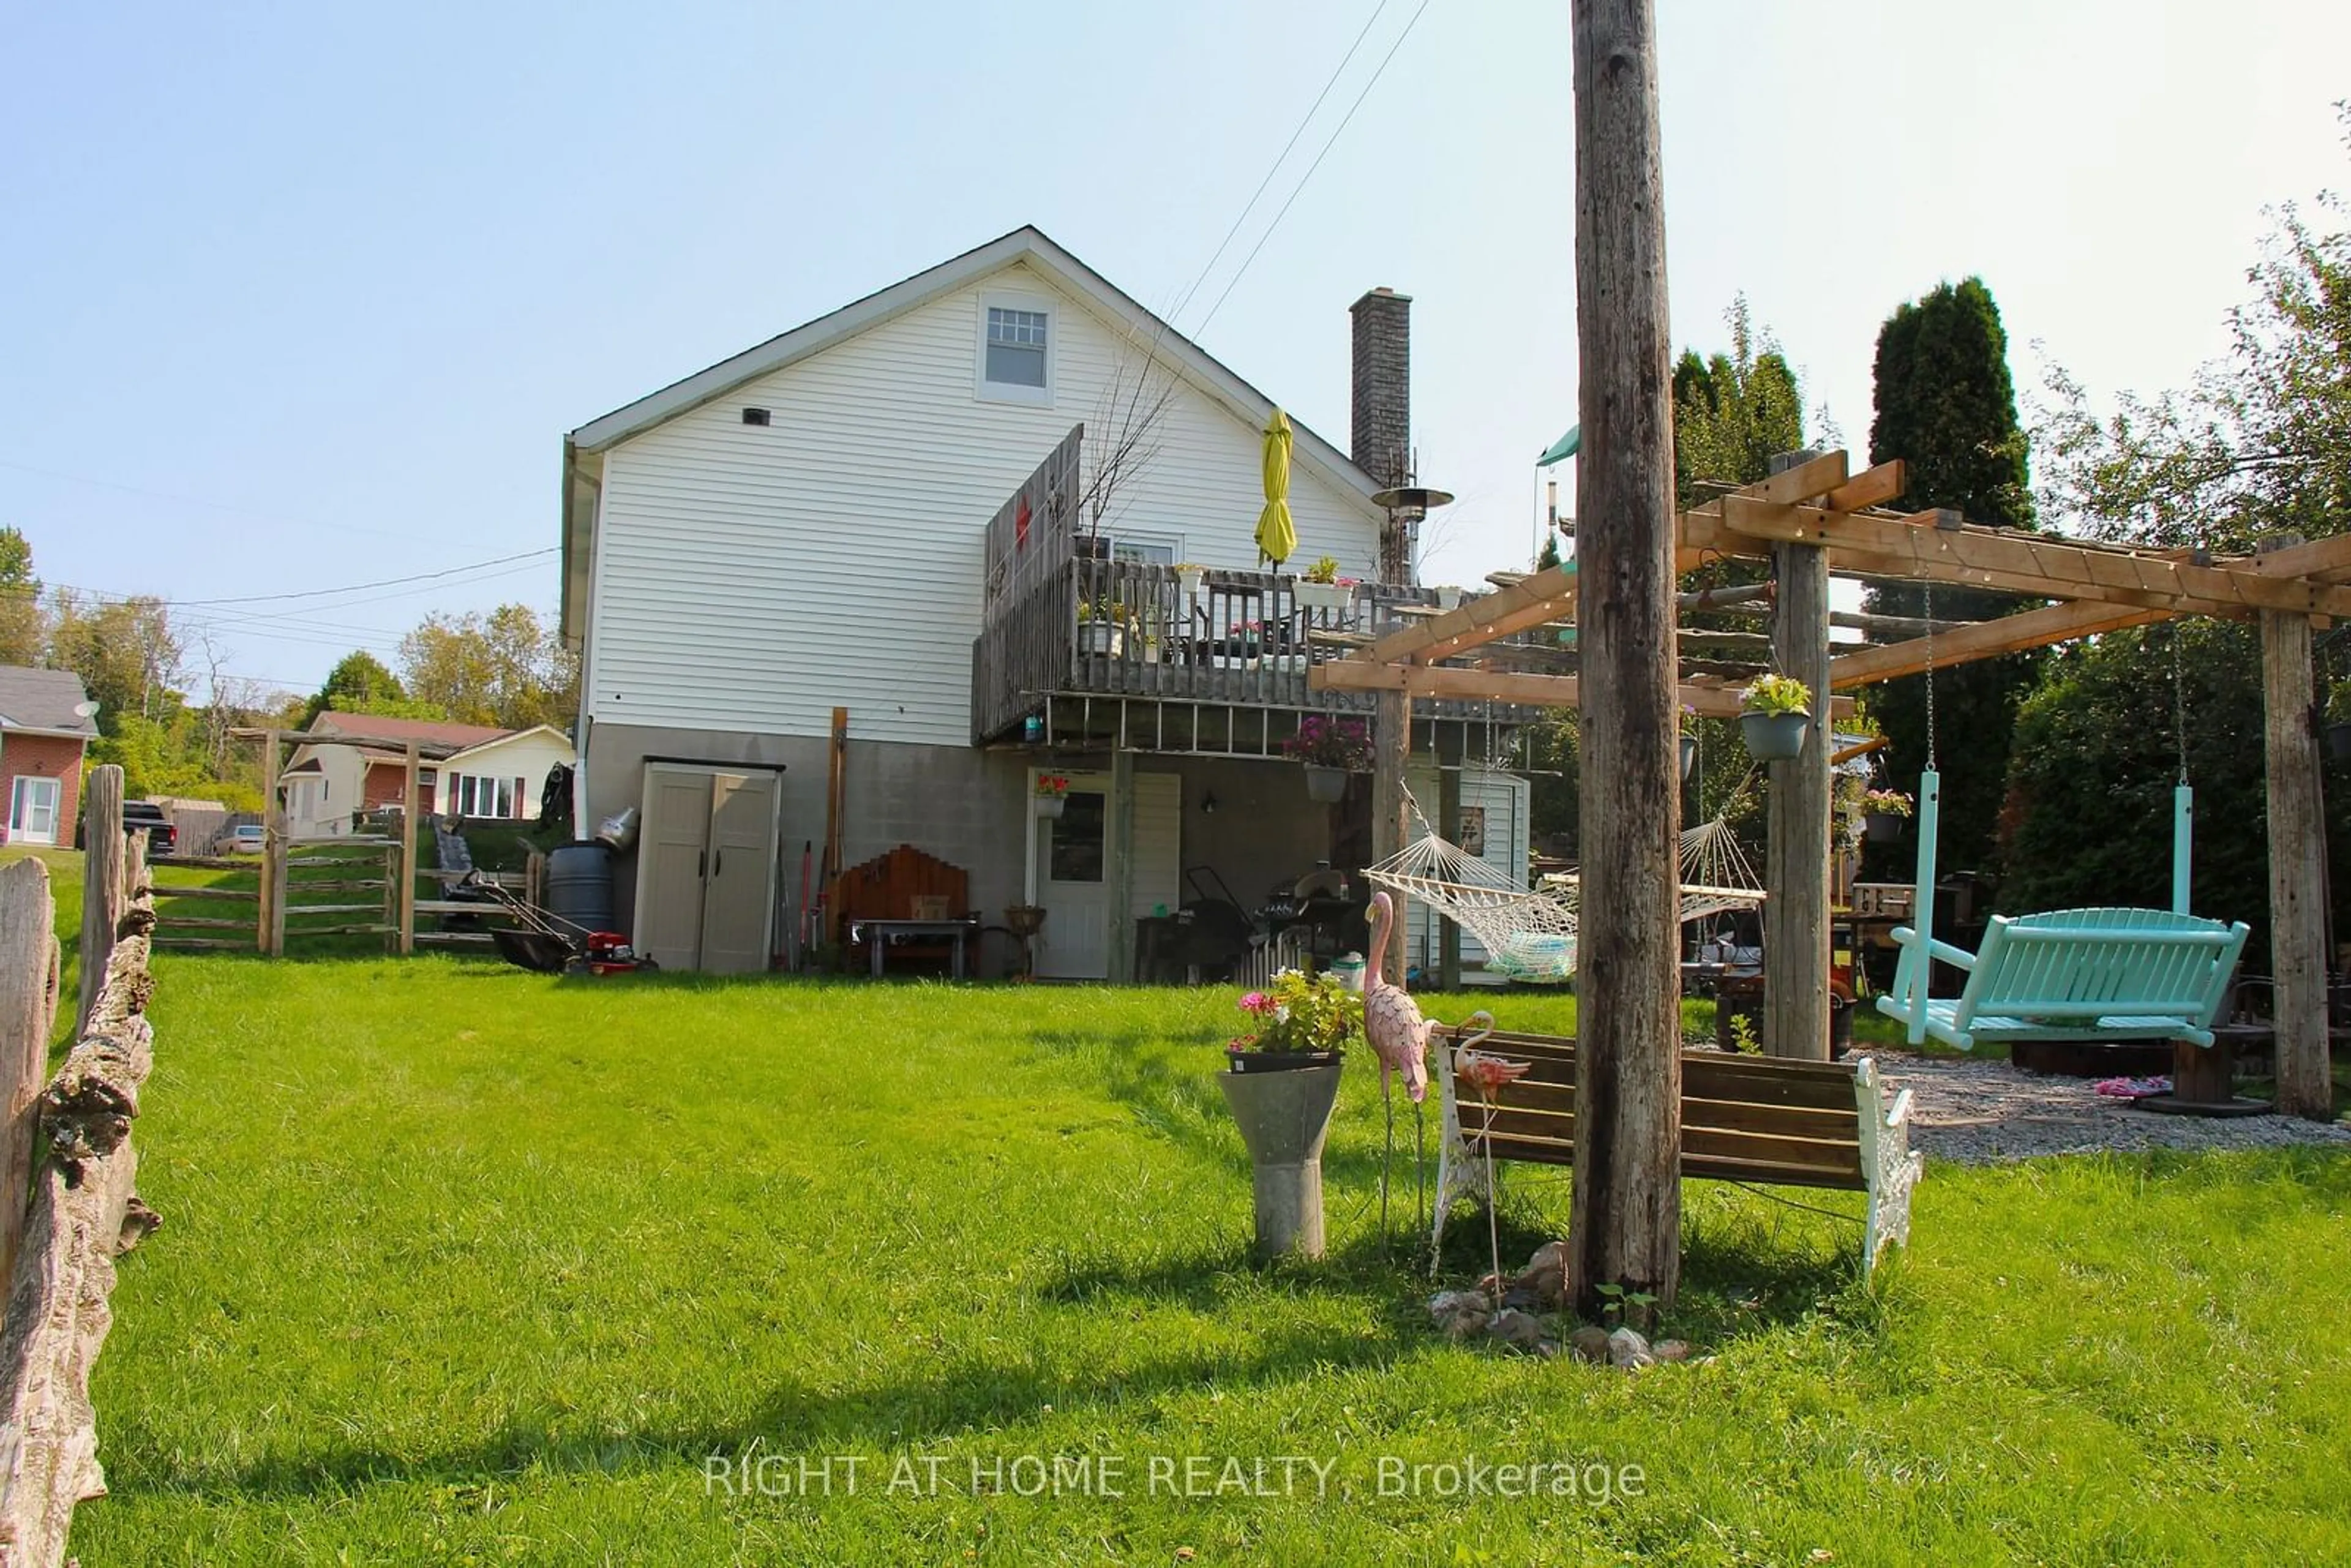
(706, 869)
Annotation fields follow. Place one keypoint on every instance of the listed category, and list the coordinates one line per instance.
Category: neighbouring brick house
(45, 723)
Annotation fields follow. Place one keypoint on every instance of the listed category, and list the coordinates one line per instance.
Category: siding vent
(754, 416)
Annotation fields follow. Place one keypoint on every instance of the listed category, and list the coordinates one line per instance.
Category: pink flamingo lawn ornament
(1399, 1037)
(1487, 1074)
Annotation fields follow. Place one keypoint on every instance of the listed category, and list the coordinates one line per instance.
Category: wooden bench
(2072, 974)
(1756, 1119)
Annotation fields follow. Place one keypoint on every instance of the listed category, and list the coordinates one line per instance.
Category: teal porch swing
(2108, 973)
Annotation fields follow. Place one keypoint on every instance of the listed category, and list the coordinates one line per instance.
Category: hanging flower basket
(1881, 827)
(1052, 794)
(2339, 742)
(1690, 754)
(1326, 784)
(1774, 736)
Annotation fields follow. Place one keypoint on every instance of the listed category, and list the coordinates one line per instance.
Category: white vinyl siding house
(502, 778)
(752, 577)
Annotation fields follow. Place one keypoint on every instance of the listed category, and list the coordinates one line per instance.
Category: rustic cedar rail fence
(64, 1221)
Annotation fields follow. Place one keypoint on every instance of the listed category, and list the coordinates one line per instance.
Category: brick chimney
(1382, 431)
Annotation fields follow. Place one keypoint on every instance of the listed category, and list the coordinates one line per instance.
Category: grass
(462, 1264)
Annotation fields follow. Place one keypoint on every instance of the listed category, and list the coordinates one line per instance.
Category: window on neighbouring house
(478, 795)
(1016, 347)
(1143, 552)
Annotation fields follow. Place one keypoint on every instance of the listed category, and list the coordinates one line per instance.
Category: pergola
(1815, 519)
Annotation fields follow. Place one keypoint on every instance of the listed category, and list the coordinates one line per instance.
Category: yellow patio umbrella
(1277, 533)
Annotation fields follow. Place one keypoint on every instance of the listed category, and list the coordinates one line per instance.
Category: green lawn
(462, 1264)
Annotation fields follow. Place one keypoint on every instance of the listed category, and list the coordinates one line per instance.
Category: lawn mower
(548, 944)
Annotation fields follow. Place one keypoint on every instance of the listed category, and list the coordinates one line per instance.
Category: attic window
(754, 416)
(1016, 348)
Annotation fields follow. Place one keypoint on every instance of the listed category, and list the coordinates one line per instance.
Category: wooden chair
(2074, 975)
(1760, 1119)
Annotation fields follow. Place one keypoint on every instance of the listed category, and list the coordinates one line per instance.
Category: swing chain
(1930, 675)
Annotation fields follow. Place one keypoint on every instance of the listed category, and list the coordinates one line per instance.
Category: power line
(385, 582)
(1309, 175)
(193, 500)
(1275, 167)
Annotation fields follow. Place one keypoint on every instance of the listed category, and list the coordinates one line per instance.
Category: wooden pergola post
(1449, 826)
(2297, 834)
(1625, 1229)
(1391, 752)
(1798, 826)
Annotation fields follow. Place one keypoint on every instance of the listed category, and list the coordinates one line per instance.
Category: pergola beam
(2051, 567)
(1985, 640)
(1708, 699)
(1548, 595)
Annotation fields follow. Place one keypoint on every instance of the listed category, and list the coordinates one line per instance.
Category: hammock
(1529, 934)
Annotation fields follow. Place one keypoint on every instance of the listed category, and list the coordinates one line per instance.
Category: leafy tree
(1734, 412)
(2260, 441)
(1947, 407)
(125, 652)
(23, 625)
(360, 682)
(505, 668)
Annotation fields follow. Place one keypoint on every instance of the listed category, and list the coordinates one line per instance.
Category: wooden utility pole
(2297, 865)
(1627, 1223)
(1391, 753)
(1796, 843)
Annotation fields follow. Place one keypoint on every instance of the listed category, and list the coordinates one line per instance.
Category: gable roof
(505, 737)
(584, 447)
(426, 731)
(44, 700)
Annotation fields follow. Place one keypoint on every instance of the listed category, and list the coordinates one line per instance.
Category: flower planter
(1284, 1115)
(1690, 754)
(1881, 827)
(2339, 742)
(1190, 580)
(1280, 1061)
(1774, 736)
(1052, 805)
(1324, 595)
(1100, 637)
(1326, 784)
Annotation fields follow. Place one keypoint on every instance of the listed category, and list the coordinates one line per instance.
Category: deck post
(407, 857)
(1119, 871)
(1625, 1229)
(2297, 863)
(1799, 825)
(1391, 753)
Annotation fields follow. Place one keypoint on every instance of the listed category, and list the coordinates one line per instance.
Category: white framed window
(32, 810)
(1146, 549)
(480, 795)
(1016, 348)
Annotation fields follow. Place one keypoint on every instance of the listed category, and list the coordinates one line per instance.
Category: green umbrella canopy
(1563, 448)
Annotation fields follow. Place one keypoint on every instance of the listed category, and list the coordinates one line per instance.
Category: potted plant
(1052, 794)
(2338, 721)
(1331, 749)
(1689, 739)
(1190, 577)
(1283, 1081)
(1101, 626)
(1776, 711)
(1882, 811)
(1319, 588)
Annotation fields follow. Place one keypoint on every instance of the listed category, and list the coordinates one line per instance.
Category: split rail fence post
(28, 1007)
(102, 889)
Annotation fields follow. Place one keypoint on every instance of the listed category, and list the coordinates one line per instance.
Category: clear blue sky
(299, 297)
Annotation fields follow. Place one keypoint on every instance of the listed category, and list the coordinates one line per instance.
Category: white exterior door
(32, 810)
(1073, 883)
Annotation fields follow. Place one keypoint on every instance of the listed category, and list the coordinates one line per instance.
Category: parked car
(245, 839)
(163, 838)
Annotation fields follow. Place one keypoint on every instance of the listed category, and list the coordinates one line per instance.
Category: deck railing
(1119, 628)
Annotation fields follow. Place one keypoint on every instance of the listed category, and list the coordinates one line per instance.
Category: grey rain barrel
(579, 886)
